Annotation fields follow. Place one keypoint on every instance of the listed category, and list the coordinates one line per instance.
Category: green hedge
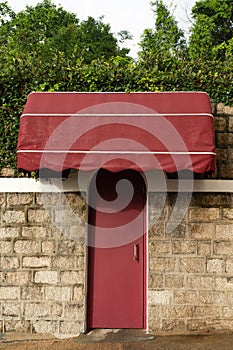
(22, 75)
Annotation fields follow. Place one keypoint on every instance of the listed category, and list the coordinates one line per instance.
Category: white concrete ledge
(26, 185)
(215, 186)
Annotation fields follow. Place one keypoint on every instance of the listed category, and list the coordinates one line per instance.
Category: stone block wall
(42, 274)
(191, 269)
(43, 271)
(223, 118)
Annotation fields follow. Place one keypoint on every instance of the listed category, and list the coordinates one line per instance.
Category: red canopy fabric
(171, 131)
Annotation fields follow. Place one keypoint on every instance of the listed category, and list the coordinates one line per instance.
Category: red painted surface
(51, 136)
(116, 283)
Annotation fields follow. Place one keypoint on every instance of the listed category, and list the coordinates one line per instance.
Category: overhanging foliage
(45, 65)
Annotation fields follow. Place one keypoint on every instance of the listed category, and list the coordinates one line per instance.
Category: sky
(131, 15)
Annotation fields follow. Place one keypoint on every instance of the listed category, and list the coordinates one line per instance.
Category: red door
(116, 252)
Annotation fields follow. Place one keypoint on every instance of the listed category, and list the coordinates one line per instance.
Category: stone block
(224, 139)
(2, 199)
(46, 277)
(63, 262)
(72, 277)
(7, 172)
(213, 200)
(160, 247)
(38, 216)
(215, 266)
(184, 247)
(229, 298)
(58, 293)
(80, 263)
(224, 231)
(9, 232)
(224, 283)
(17, 326)
(227, 312)
(68, 247)
(207, 312)
(180, 210)
(186, 297)
(230, 153)
(155, 200)
(155, 318)
(228, 214)
(19, 199)
(77, 233)
(221, 154)
(204, 214)
(220, 123)
(56, 310)
(70, 328)
(9, 293)
(74, 312)
(34, 232)
(156, 281)
(159, 297)
(5, 247)
(72, 217)
(14, 217)
(199, 282)
(176, 312)
(157, 230)
(64, 216)
(49, 247)
(204, 248)
(175, 229)
(50, 199)
(174, 281)
(32, 293)
(174, 326)
(9, 263)
(43, 310)
(36, 261)
(212, 297)
(26, 247)
(229, 265)
(202, 231)
(45, 327)
(226, 171)
(77, 200)
(78, 294)
(18, 278)
(163, 264)
(222, 109)
(223, 247)
(12, 310)
(231, 124)
(193, 265)
(201, 326)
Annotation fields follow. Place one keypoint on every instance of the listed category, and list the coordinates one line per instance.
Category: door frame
(145, 258)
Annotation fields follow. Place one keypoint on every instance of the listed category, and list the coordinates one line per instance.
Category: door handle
(135, 252)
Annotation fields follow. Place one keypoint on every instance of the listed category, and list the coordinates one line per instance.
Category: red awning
(171, 131)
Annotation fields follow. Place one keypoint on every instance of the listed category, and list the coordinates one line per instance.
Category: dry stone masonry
(191, 270)
(42, 271)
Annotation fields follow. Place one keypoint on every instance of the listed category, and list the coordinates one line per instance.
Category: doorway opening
(116, 293)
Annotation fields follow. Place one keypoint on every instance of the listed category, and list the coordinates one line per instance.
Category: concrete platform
(117, 340)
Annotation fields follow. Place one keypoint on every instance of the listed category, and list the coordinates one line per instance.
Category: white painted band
(115, 115)
(113, 152)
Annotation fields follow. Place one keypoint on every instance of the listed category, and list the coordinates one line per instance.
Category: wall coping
(26, 185)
